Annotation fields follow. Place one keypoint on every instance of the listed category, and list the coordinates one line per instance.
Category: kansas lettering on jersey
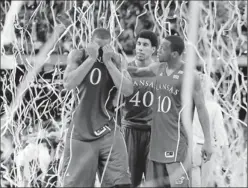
(168, 136)
(137, 112)
(94, 109)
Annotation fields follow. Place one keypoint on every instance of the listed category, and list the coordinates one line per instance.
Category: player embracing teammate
(151, 117)
(169, 141)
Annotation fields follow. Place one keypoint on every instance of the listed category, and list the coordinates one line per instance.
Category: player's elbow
(128, 90)
(68, 85)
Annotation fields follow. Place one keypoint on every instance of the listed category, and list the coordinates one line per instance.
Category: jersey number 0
(99, 75)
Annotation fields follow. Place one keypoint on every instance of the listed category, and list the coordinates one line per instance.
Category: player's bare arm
(75, 74)
(198, 97)
(151, 70)
(117, 69)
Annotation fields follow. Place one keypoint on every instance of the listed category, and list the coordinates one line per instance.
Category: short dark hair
(146, 34)
(101, 33)
(177, 43)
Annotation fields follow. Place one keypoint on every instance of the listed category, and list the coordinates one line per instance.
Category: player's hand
(207, 151)
(92, 50)
(108, 53)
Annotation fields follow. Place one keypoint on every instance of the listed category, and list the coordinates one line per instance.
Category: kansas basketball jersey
(137, 112)
(168, 140)
(94, 109)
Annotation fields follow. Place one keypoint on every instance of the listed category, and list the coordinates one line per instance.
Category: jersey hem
(141, 127)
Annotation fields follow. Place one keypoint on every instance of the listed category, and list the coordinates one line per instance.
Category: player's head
(101, 36)
(171, 47)
(146, 44)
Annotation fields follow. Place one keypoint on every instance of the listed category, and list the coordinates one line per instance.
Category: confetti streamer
(27, 101)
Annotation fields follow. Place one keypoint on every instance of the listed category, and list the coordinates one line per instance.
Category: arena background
(35, 108)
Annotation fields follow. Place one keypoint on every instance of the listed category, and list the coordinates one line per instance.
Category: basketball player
(168, 147)
(137, 111)
(95, 75)
(209, 174)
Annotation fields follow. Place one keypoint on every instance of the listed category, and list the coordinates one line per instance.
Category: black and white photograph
(123, 93)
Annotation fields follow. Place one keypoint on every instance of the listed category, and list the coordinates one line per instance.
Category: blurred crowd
(35, 27)
(36, 21)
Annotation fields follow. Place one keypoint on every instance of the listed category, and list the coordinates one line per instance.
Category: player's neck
(144, 63)
(173, 65)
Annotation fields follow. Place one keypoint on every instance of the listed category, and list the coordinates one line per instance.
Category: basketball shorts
(137, 141)
(167, 174)
(82, 160)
